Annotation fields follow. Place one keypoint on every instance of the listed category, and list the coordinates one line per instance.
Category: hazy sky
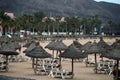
(113, 1)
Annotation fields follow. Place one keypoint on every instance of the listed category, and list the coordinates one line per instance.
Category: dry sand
(23, 69)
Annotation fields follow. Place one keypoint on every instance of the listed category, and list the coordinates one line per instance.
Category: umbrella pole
(7, 60)
(101, 58)
(72, 69)
(87, 61)
(117, 71)
(57, 54)
(60, 58)
(7, 63)
(95, 63)
(33, 60)
(53, 53)
(36, 62)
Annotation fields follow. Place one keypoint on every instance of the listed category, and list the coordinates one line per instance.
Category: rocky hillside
(82, 8)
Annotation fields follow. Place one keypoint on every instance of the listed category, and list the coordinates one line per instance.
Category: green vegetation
(38, 22)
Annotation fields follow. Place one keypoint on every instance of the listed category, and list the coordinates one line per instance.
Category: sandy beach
(24, 69)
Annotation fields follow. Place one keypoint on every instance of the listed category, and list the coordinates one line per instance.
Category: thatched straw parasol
(85, 47)
(73, 53)
(93, 49)
(37, 52)
(31, 46)
(116, 44)
(77, 44)
(15, 45)
(56, 45)
(16, 38)
(8, 50)
(103, 46)
(50, 45)
(114, 53)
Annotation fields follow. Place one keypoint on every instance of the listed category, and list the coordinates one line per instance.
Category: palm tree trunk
(57, 28)
(66, 29)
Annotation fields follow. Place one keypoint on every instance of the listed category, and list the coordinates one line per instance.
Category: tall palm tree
(62, 26)
(84, 23)
(57, 23)
(76, 24)
(38, 16)
(70, 25)
(37, 21)
(96, 23)
(18, 24)
(10, 24)
(48, 24)
(4, 19)
(26, 22)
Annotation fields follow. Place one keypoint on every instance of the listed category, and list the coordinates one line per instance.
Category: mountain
(82, 8)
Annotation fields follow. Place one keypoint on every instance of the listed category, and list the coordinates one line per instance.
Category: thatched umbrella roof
(59, 45)
(56, 45)
(16, 38)
(93, 48)
(114, 53)
(87, 45)
(8, 50)
(102, 44)
(15, 45)
(4, 39)
(116, 44)
(50, 45)
(38, 52)
(77, 44)
(31, 46)
(73, 53)
(28, 43)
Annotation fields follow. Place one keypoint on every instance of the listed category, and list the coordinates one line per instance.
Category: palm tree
(57, 23)
(96, 23)
(38, 16)
(37, 21)
(62, 26)
(11, 25)
(79, 20)
(66, 25)
(69, 25)
(26, 22)
(4, 19)
(48, 24)
(18, 24)
(84, 23)
(77, 23)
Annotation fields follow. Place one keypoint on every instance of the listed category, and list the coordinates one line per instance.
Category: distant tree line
(39, 23)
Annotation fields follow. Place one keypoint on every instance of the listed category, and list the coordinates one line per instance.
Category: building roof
(11, 15)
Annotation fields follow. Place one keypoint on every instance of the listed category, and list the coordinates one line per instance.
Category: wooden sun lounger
(3, 66)
(60, 73)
